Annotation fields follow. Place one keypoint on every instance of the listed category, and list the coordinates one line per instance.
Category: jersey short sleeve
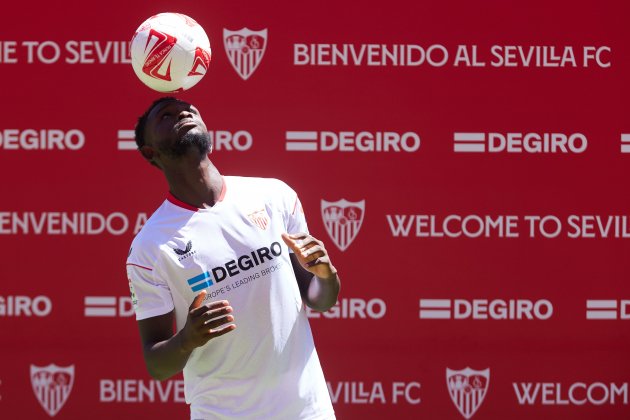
(294, 212)
(151, 296)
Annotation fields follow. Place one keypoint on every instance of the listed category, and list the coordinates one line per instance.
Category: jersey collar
(173, 200)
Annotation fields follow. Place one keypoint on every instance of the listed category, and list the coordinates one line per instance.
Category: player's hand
(206, 322)
(311, 254)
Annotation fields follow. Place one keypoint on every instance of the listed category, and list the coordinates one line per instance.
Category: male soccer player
(223, 251)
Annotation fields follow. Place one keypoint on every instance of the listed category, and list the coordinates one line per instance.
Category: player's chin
(197, 139)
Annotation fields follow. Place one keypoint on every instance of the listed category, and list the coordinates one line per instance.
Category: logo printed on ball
(52, 386)
(200, 63)
(343, 220)
(467, 388)
(245, 49)
(157, 56)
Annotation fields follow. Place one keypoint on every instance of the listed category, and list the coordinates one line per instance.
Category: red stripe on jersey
(295, 205)
(141, 266)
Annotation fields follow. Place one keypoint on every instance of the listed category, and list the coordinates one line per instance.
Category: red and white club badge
(259, 218)
(52, 386)
(467, 388)
(343, 220)
(245, 49)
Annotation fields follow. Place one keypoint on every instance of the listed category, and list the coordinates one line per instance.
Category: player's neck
(199, 186)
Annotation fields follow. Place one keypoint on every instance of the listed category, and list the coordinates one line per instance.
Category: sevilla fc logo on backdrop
(468, 388)
(342, 220)
(52, 385)
(245, 49)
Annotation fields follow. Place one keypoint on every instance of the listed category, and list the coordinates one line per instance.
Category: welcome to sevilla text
(508, 226)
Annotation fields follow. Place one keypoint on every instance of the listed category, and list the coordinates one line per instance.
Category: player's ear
(147, 152)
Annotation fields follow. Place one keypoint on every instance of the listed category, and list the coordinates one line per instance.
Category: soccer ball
(170, 52)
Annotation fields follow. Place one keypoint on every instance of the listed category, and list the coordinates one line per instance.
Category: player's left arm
(316, 276)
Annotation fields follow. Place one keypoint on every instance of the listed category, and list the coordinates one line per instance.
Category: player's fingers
(290, 241)
(208, 307)
(309, 242)
(320, 260)
(198, 299)
(311, 251)
(313, 259)
(297, 236)
(215, 313)
(217, 322)
(214, 333)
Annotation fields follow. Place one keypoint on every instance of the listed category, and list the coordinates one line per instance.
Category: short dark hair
(142, 120)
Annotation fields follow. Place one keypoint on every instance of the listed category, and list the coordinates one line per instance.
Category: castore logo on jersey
(184, 253)
(185, 250)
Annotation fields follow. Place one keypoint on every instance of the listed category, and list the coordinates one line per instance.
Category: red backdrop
(491, 238)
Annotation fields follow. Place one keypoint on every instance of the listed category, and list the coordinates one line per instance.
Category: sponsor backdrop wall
(466, 164)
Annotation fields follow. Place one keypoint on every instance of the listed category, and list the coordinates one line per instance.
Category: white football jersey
(268, 367)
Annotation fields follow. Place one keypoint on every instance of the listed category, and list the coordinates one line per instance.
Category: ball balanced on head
(170, 52)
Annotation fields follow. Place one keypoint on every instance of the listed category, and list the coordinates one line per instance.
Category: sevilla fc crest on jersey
(259, 218)
(245, 49)
(342, 220)
(52, 385)
(468, 388)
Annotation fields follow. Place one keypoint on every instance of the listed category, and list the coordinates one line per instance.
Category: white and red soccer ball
(170, 52)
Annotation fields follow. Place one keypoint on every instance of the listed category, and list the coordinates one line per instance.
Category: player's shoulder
(259, 184)
(155, 230)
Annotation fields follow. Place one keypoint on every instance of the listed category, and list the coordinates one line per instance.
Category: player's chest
(208, 251)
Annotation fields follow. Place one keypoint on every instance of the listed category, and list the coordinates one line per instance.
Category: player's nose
(184, 114)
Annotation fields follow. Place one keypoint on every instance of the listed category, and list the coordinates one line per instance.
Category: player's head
(171, 128)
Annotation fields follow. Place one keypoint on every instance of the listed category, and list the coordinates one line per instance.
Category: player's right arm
(165, 352)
